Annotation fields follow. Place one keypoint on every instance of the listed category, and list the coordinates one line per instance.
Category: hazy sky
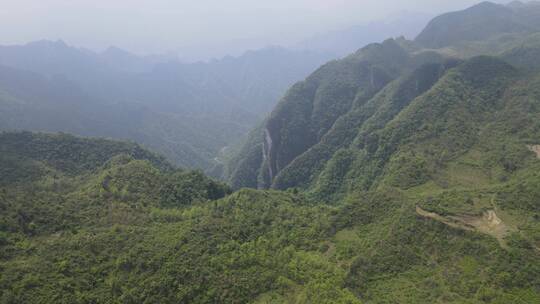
(150, 26)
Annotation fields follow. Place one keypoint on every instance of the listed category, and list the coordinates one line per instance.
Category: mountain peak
(113, 50)
(116, 53)
(516, 4)
(58, 44)
(478, 22)
(485, 4)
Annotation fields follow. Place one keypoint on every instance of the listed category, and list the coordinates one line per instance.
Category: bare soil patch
(487, 223)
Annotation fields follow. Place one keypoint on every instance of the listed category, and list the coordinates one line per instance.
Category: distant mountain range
(187, 112)
(190, 112)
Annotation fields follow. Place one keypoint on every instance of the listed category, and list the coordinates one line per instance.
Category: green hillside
(451, 134)
(315, 120)
(480, 22)
(52, 183)
(129, 231)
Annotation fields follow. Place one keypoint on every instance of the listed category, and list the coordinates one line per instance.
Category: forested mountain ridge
(295, 147)
(480, 22)
(64, 153)
(451, 140)
(55, 182)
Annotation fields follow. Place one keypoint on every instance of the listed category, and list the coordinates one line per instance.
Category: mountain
(250, 83)
(398, 174)
(452, 133)
(480, 22)
(188, 112)
(323, 114)
(101, 221)
(119, 76)
(303, 117)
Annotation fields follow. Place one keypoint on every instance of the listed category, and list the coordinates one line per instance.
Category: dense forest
(406, 172)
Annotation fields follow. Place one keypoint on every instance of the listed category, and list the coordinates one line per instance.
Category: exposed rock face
(267, 153)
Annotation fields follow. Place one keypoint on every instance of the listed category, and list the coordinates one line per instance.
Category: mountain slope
(413, 131)
(441, 159)
(360, 122)
(303, 116)
(310, 108)
(298, 141)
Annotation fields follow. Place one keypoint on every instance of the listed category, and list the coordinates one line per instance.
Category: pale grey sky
(150, 26)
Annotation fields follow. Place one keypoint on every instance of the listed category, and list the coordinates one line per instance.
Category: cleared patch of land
(487, 223)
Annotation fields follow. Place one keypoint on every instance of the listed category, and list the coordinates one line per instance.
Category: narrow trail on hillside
(488, 223)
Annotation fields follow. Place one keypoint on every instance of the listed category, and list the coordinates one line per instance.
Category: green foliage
(27, 155)
(329, 184)
(186, 188)
(411, 179)
(310, 108)
(225, 251)
(407, 170)
(244, 167)
(452, 137)
(85, 182)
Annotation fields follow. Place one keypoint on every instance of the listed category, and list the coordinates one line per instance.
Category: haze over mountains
(197, 30)
(346, 41)
(188, 112)
(405, 172)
